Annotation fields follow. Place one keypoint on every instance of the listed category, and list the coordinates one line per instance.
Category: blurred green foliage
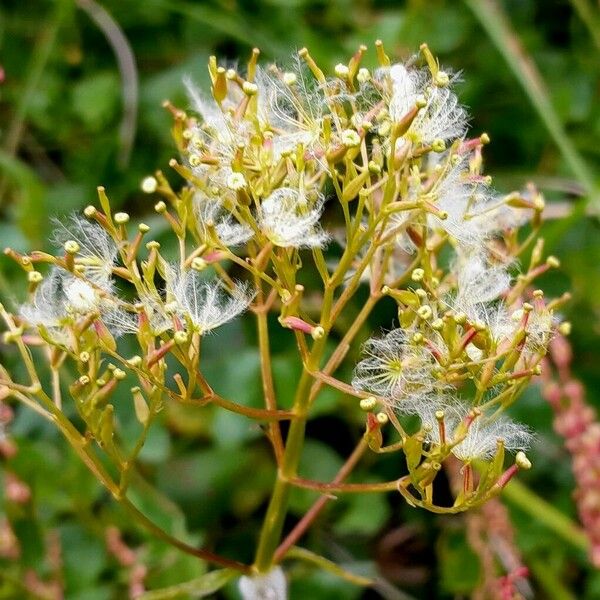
(61, 104)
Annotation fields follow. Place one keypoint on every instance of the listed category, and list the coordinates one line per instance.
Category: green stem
(267, 376)
(273, 523)
(201, 553)
(327, 565)
(589, 15)
(521, 496)
(345, 488)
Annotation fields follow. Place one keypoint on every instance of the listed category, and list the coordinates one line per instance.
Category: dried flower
(288, 220)
(395, 368)
(97, 252)
(206, 304)
(212, 216)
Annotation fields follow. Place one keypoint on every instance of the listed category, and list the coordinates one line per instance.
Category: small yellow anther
(368, 404)
(149, 185)
(417, 274)
(34, 277)
(71, 247)
(382, 418)
(181, 337)
(317, 333)
(121, 218)
(522, 461)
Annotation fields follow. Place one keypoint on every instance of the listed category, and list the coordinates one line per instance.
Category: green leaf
(196, 588)
(458, 563)
(318, 462)
(30, 201)
(365, 514)
(96, 99)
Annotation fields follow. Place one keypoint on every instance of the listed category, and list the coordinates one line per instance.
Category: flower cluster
(292, 176)
(576, 421)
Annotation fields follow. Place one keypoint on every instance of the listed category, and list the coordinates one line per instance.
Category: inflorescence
(366, 177)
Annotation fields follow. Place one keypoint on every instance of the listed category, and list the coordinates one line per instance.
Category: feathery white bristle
(207, 304)
(289, 221)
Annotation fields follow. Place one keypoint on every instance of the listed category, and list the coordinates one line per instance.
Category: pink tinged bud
(160, 353)
(297, 324)
(469, 145)
(433, 349)
(268, 144)
(177, 324)
(32, 340)
(212, 257)
(105, 335)
(468, 338)
(143, 320)
(372, 423)
(507, 476)
(467, 473)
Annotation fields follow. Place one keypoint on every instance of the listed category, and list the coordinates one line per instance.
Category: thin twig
(314, 511)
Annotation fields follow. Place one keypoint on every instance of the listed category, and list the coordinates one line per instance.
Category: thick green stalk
(273, 524)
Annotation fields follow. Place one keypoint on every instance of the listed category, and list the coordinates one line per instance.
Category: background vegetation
(70, 122)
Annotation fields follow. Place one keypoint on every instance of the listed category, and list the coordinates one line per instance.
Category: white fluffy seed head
(213, 217)
(207, 304)
(483, 435)
(96, 251)
(81, 296)
(287, 220)
(395, 368)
